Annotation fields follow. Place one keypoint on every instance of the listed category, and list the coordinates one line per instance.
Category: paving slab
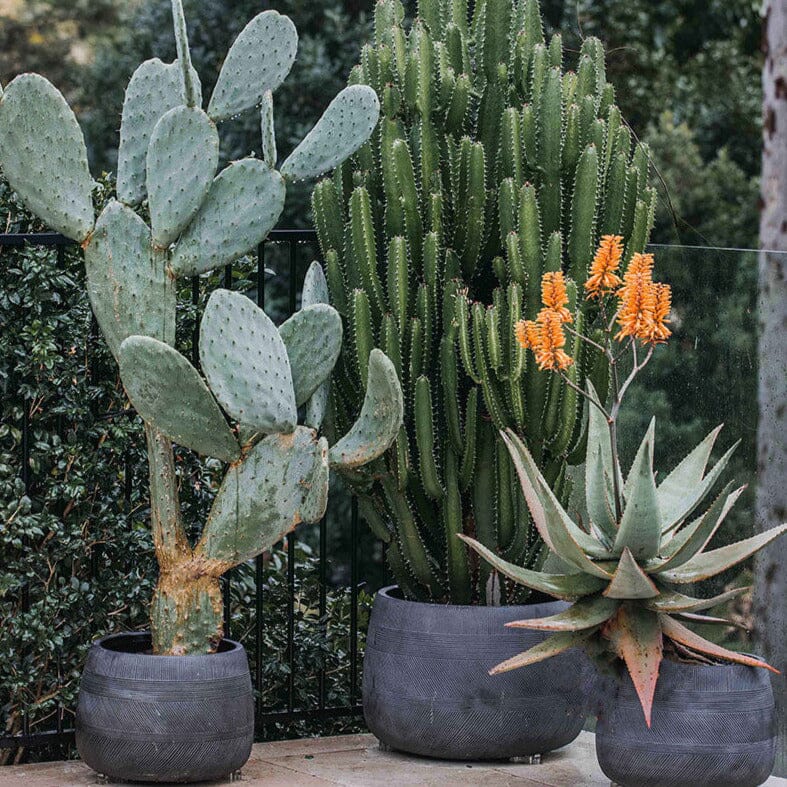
(358, 761)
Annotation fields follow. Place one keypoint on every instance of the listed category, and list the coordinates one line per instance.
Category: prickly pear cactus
(256, 376)
(492, 164)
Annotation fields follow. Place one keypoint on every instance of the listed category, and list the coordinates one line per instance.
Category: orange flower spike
(658, 332)
(603, 278)
(637, 308)
(550, 353)
(554, 295)
(528, 334)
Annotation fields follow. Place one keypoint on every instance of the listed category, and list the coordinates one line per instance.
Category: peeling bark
(771, 565)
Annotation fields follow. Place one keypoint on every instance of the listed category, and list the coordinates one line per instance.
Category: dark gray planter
(711, 727)
(426, 687)
(164, 718)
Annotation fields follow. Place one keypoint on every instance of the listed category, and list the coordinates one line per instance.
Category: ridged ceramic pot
(427, 691)
(164, 718)
(711, 727)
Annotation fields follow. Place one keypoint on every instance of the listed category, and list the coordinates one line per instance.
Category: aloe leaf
(695, 536)
(599, 441)
(551, 646)
(646, 446)
(597, 495)
(684, 636)
(630, 581)
(698, 493)
(636, 636)
(672, 601)
(686, 475)
(564, 536)
(709, 620)
(567, 587)
(708, 564)
(583, 614)
(640, 525)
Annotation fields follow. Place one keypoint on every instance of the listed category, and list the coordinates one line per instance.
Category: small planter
(711, 726)
(164, 718)
(427, 691)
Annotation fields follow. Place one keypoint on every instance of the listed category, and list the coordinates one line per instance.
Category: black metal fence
(285, 282)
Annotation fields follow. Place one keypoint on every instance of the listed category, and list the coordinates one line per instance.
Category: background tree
(772, 453)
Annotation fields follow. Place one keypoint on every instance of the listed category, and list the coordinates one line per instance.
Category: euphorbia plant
(259, 381)
(622, 568)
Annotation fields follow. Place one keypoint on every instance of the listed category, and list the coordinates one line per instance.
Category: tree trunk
(771, 570)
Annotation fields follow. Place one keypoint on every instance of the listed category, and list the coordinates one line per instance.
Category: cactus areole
(245, 410)
(495, 161)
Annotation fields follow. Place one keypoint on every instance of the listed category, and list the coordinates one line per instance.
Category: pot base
(711, 727)
(164, 718)
(427, 691)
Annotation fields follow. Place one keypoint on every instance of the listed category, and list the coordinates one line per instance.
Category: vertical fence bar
(323, 606)
(226, 580)
(195, 329)
(293, 296)
(259, 561)
(25, 592)
(353, 601)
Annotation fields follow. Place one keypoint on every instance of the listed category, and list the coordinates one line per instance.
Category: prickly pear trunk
(185, 616)
(771, 494)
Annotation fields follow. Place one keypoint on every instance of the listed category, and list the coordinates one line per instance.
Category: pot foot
(236, 776)
(530, 759)
(102, 778)
(384, 746)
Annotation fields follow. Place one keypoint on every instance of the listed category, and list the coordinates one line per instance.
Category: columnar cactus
(246, 410)
(492, 164)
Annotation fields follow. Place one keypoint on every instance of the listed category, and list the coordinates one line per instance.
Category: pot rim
(232, 648)
(386, 593)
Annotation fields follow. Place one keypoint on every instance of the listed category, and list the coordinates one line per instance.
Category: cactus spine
(492, 164)
(256, 376)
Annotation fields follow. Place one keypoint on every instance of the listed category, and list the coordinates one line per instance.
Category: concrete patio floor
(357, 760)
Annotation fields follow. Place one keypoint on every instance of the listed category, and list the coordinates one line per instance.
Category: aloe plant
(257, 378)
(625, 567)
(495, 160)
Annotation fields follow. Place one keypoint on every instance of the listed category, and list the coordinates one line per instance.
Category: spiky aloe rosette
(624, 569)
(257, 376)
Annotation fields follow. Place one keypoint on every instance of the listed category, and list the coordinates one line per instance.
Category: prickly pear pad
(258, 61)
(181, 165)
(154, 89)
(245, 362)
(129, 291)
(242, 206)
(168, 392)
(44, 155)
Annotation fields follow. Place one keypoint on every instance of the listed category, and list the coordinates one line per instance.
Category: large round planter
(711, 727)
(164, 718)
(427, 691)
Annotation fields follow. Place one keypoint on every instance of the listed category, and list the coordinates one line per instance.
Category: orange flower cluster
(545, 336)
(644, 304)
(603, 279)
